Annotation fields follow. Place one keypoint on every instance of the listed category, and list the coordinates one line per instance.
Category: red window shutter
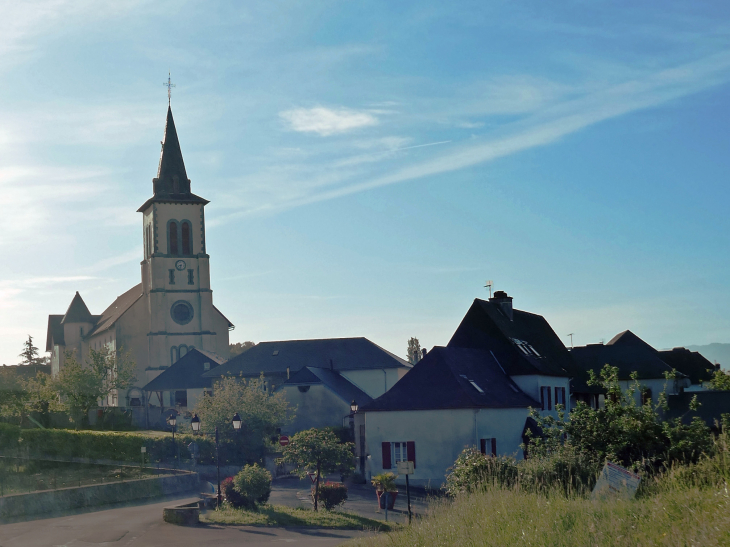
(542, 398)
(411, 452)
(550, 406)
(483, 446)
(386, 456)
(565, 403)
(494, 446)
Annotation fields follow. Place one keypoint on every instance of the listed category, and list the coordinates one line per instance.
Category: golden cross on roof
(169, 86)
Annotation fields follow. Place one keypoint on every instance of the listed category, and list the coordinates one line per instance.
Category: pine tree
(30, 353)
(414, 351)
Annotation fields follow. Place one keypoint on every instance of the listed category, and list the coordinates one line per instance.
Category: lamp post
(172, 420)
(237, 423)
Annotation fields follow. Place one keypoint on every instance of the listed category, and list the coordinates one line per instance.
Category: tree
(82, 386)
(30, 353)
(318, 450)
(261, 413)
(414, 351)
(238, 348)
(720, 380)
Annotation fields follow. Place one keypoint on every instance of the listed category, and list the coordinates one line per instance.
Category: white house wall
(374, 382)
(531, 385)
(440, 436)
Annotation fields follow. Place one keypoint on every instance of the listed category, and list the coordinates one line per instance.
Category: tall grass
(546, 502)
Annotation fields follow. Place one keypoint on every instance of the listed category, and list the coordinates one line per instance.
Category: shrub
(254, 484)
(332, 494)
(384, 482)
(230, 494)
(9, 435)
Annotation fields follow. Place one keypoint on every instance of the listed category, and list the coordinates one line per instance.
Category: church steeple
(171, 175)
(171, 185)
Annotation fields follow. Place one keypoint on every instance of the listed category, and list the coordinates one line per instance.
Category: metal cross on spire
(169, 86)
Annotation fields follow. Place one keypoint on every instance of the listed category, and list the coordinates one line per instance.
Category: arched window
(186, 247)
(183, 349)
(173, 355)
(172, 230)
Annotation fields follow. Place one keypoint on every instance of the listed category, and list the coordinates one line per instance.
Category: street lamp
(353, 407)
(172, 420)
(237, 423)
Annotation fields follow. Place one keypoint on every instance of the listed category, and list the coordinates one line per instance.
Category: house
(630, 354)
(171, 311)
(180, 386)
(366, 365)
(477, 391)
(524, 345)
(690, 363)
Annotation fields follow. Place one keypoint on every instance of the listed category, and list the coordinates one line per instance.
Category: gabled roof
(629, 340)
(485, 327)
(172, 184)
(54, 335)
(629, 358)
(187, 372)
(691, 363)
(335, 353)
(77, 312)
(117, 309)
(451, 378)
(334, 381)
(230, 325)
(713, 404)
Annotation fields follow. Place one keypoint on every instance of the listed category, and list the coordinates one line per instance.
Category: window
(206, 367)
(560, 396)
(186, 229)
(173, 355)
(488, 446)
(645, 396)
(181, 398)
(173, 238)
(394, 452)
(172, 276)
(183, 350)
(545, 398)
(191, 279)
(182, 312)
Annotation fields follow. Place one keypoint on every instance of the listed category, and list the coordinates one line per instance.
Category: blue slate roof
(187, 372)
(451, 378)
(335, 353)
(334, 381)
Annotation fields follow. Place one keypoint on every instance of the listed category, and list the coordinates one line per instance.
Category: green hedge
(65, 444)
(9, 435)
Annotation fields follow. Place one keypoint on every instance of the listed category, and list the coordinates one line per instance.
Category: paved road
(142, 525)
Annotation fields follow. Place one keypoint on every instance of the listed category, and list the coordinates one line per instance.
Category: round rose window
(182, 312)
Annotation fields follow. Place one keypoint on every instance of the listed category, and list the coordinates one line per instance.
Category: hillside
(716, 353)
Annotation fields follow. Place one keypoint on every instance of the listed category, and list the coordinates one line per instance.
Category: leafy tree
(260, 412)
(238, 348)
(30, 353)
(414, 351)
(319, 451)
(82, 386)
(623, 431)
(720, 380)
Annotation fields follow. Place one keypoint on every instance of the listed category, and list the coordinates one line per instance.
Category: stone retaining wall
(51, 501)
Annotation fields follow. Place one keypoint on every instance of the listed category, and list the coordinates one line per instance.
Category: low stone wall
(50, 501)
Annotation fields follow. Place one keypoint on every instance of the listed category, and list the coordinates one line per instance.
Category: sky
(370, 165)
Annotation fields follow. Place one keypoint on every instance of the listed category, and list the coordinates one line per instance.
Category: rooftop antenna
(571, 339)
(489, 286)
(169, 85)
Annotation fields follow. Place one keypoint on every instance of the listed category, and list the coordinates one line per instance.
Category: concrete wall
(439, 436)
(50, 501)
(317, 407)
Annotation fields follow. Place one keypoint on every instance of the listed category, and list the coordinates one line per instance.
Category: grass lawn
(508, 517)
(279, 515)
(35, 475)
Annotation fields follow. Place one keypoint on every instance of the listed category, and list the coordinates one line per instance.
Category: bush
(230, 494)
(332, 494)
(253, 483)
(9, 435)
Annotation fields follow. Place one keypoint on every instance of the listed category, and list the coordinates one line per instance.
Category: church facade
(171, 311)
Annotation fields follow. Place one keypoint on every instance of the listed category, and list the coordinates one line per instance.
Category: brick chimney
(504, 302)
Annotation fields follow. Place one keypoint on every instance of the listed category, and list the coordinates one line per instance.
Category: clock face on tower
(180, 265)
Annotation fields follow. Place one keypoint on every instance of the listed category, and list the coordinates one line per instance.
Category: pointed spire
(77, 312)
(172, 179)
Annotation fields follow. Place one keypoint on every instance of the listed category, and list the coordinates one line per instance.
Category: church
(171, 311)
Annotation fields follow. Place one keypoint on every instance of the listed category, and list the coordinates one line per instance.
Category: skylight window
(276, 352)
(473, 383)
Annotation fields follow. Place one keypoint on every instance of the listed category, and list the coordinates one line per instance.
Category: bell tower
(175, 269)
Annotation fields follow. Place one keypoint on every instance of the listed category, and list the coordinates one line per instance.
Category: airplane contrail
(420, 145)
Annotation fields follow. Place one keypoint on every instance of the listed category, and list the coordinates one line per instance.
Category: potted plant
(385, 482)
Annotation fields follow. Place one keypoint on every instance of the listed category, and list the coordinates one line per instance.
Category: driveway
(142, 525)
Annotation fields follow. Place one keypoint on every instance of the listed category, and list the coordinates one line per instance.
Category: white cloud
(327, 121)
